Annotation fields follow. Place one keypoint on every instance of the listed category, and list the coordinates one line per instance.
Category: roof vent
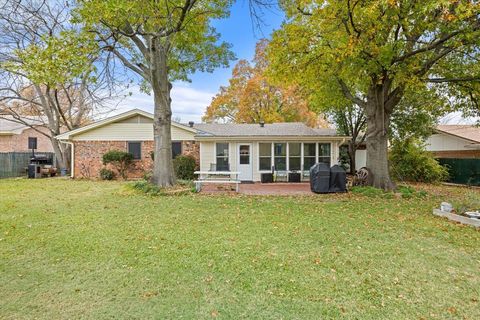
(190, 124)
(262, 123)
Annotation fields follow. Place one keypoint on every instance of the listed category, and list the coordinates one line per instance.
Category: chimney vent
(262, 123)
(190, 124)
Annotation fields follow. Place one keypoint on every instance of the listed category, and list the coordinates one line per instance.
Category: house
(14, 135)
(458, 147)
(250, 149)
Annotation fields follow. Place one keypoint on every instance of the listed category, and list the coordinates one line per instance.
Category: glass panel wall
(308, 156)
(294, 156)
(265, 156)
(280, 156)
(324, 153)
(222, 157)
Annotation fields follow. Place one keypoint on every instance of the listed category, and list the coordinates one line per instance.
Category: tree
(351, 121)
(251, 97)
(160, 41)
(48, 69)
(376, 53)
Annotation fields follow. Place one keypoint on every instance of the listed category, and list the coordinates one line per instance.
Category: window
(265, 156)
(244, 154)
(222, 157)
(176, 149)
(280, 156)
(32, 143)
(135, 149)
(324, 153)
(308, 155)
(294, 156)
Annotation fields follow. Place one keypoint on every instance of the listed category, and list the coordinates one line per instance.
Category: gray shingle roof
(269, 130)
(8, 124)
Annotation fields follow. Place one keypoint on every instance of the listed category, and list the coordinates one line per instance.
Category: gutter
(72, 157)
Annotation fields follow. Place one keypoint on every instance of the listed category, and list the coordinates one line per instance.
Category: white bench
(216, 177)
(198, 183)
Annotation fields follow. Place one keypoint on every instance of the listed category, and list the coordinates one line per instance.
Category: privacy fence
(463, 171)
(14, 164)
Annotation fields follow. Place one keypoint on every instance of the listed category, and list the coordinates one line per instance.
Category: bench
(198, 183)
(220, 177)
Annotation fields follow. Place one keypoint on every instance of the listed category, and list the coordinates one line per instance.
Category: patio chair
(280, 175)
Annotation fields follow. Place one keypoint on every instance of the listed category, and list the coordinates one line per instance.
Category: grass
(98, 250)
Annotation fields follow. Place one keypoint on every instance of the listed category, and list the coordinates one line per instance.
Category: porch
(258, 188)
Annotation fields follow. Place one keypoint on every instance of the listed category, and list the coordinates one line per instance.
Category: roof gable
(132, 116)
(466, 132)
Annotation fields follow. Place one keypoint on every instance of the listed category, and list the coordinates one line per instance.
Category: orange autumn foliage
(250, 97)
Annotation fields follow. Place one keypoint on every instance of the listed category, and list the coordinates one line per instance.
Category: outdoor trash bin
(320, 178)
(294, 177)
(338, 179)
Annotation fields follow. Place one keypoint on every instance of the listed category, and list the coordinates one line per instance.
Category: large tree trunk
(352, 156)
(163, 174)
(378, 120)
(60, 154)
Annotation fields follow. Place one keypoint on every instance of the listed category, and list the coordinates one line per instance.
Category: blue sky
(189, 100)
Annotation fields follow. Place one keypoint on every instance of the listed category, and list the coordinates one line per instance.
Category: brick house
(458, 147)
(250, 149)
(14, 135)
(131, 131)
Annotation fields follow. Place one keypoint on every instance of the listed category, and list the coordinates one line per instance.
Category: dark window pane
(294, 149)
(309, 149)
(32, 143)
(265, 163)
(265, 149)
(308, 162)
(244, 159)
(280, 149)
(324, 160)
(222, 164)
(176, 149)
(294, 163)
(324, 149)
(135, 148)
(280, 163)
(222, 149)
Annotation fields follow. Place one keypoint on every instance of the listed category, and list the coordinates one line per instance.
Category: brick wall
(19, 142)
(88, 157)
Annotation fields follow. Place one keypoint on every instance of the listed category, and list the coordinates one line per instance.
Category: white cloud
(188, 103)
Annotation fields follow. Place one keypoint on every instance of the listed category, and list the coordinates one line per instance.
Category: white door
(244, 165)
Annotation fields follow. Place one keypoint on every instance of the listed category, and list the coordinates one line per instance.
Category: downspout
(72, 157)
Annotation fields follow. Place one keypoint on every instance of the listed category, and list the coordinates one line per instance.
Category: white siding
(443, 142)
(360, 159)
(207, 155)
(128, 131)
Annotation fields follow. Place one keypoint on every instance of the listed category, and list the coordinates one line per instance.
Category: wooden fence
(14, 164)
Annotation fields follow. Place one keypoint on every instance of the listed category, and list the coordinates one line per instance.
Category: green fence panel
(463, 171)
(14, 164)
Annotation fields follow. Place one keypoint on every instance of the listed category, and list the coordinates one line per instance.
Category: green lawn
(97, 250)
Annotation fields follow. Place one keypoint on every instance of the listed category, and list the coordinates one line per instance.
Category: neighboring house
(458, 147)
(248, 148)
(14, 135)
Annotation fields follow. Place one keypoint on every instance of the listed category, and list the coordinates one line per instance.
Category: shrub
(184, 167)
(121, 160)
(409, 161)
(106, 174)
(146, 187)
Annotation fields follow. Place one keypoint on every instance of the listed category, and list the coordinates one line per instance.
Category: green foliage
(184, 166)
(56, 59)
(121, 160)
(146, 187)
(192, 43)
(410, 162)
(469, 202)
(107, 174)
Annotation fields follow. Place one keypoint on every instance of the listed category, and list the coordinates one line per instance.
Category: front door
(245, 162)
